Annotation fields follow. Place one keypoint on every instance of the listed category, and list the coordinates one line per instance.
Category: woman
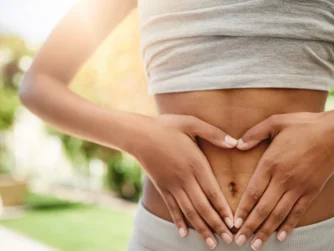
(242, 143)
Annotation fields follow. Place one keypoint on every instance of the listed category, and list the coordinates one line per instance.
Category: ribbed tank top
(190, 45)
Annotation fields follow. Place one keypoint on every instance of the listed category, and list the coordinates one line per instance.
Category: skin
(148, 139)
(285, 183)
(190, 143)
(266, 114)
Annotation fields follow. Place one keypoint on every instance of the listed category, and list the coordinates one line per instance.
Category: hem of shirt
(239, 82)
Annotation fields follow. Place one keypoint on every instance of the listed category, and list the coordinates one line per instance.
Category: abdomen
(235, 111)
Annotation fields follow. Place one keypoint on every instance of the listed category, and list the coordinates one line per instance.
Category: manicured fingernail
(238, 222)
(229, 222)
(210, 243)
(227, 238)
(241, 240)
(282, 236)
(256, 244)
(231, 141)
(182, 232)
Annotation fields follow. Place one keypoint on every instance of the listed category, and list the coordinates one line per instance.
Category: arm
(44, 88)
(165, 146)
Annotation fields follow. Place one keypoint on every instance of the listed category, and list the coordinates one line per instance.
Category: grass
(73, 226)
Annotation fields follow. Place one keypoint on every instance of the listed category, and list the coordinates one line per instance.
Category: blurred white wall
(31, 19)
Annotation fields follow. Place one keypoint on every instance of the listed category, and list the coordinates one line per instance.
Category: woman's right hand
(169, 154)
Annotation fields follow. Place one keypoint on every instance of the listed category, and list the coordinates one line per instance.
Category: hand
(289, 175)
(169, 154)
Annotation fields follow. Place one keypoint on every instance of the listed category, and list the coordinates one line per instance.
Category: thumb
(266, 129)
(212, 134)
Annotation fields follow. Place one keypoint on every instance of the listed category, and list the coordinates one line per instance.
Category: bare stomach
(234, 111)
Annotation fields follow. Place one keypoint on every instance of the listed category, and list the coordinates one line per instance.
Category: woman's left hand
(290, 174)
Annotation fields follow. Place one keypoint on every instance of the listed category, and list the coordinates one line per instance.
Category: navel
(233, 188)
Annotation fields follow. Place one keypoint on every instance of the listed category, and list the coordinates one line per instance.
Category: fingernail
(256, 244)
(227, 238)
(229, 222)
(210, 243)
(241, 240)
(238, 222)
(182, 232)
(231, 141)
(282, 236)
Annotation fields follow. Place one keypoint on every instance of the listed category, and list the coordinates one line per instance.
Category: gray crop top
(189, 45)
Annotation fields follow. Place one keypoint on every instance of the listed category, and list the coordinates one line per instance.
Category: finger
(255, 188)
(294, 216)
(205, 210)
(266, 129)
(191, 214)
(275, 219)
(210, 187)
(260, 213)
(212, 134)
(176, 214)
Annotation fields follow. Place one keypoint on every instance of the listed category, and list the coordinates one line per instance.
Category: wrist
(131, 132)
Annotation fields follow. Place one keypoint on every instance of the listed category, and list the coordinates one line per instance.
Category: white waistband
(153, 233)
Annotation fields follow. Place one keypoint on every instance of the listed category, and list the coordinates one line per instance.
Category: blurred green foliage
(8, 105)
(125, 177)
(80, 152)
(331, 93)
(35, 201)
(14, 57)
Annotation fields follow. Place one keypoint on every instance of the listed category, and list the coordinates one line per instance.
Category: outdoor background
(59, 192)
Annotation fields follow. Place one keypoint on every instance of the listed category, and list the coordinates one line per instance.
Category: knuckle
(173, 208)
(299, 212)
(271, 164)
(253, 194)
(193, 120)
(286, 178)
(202, 208)
(278, 216)
(190, 213)
(264, 234)
(178, 221)
(262, 210)
(273, 119)
(217, 226)
(266, 162)
(221, 211)
(289, 224)
(202, 230)
(212, 195)
(190, 122)
(249, 229)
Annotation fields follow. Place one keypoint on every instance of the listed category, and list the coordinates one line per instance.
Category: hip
(152, 233)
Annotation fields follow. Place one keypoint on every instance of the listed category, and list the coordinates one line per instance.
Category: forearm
(53, 102)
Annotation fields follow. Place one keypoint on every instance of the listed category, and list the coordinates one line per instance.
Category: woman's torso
(234, 111)
(226, 62)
